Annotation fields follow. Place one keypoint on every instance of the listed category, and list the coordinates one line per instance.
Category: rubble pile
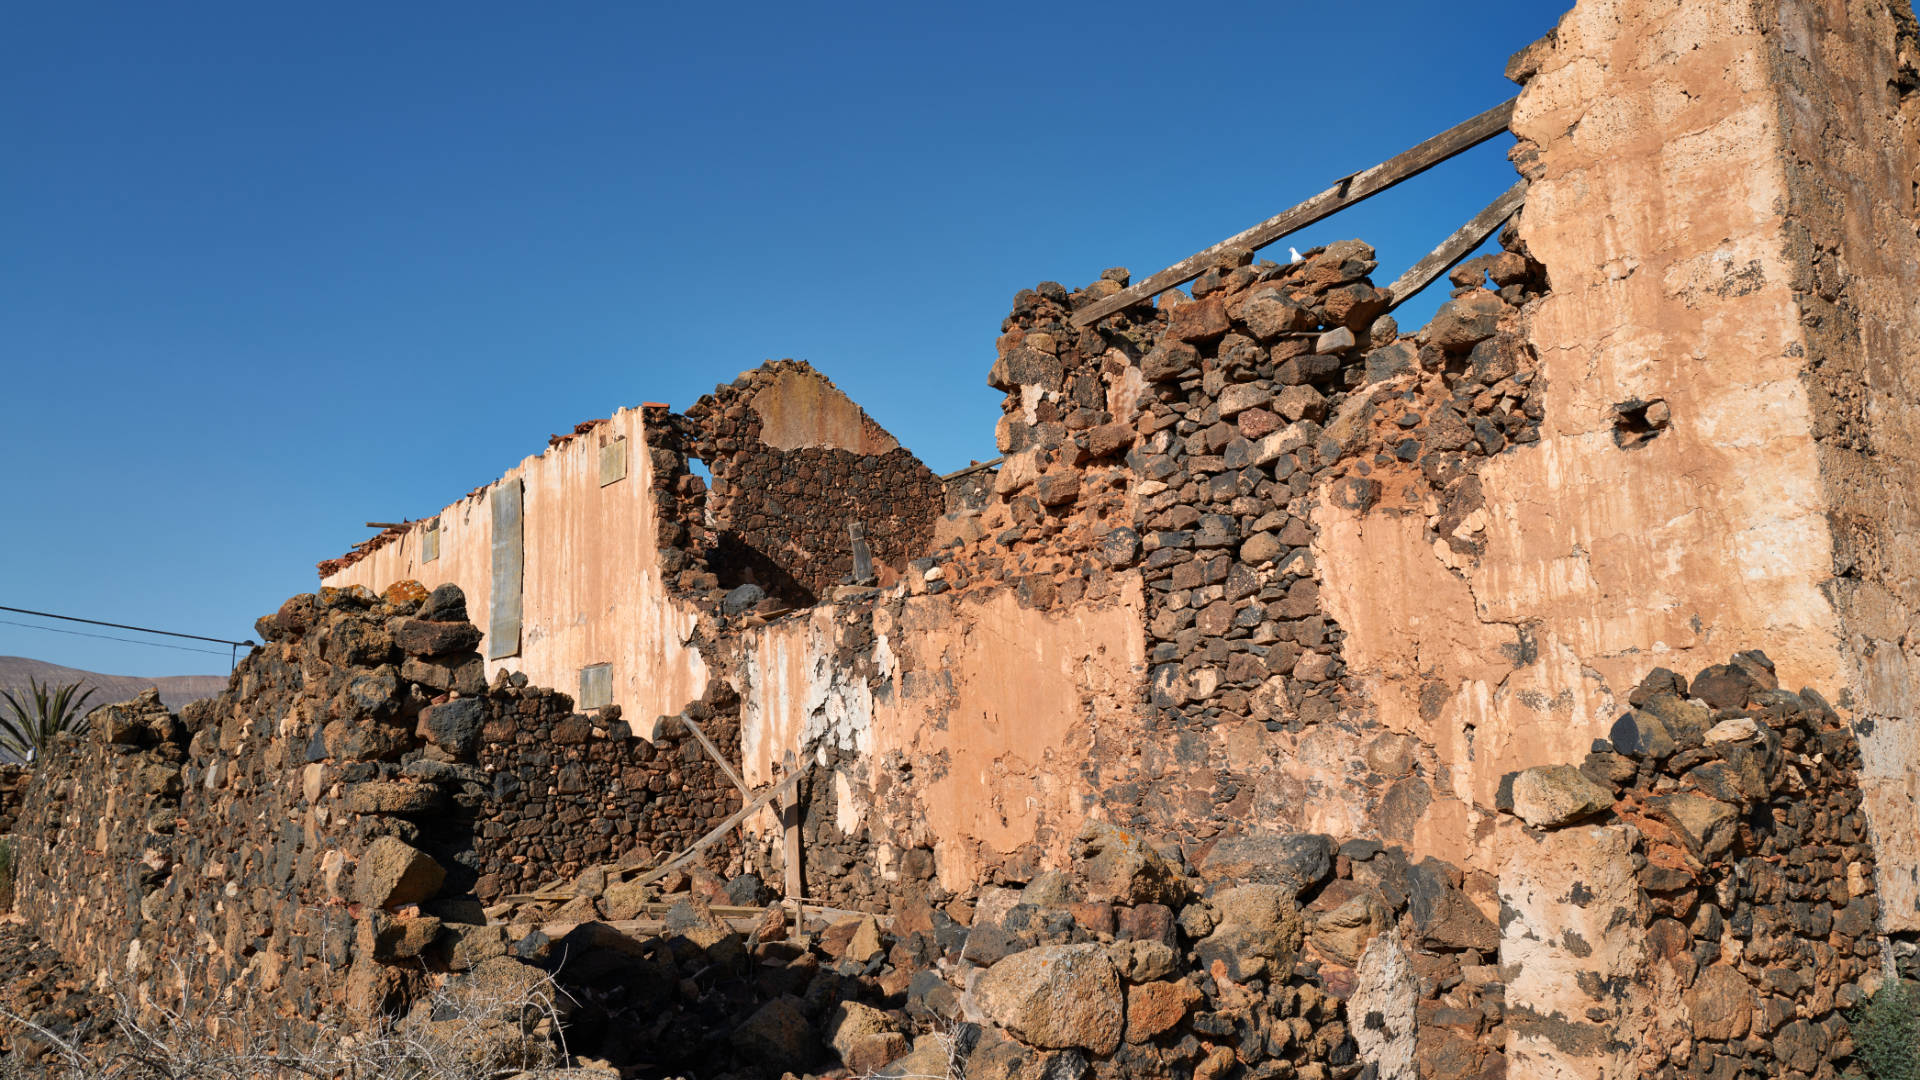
(39, 986)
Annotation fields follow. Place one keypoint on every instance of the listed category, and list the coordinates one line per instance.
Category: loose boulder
(1056, 997)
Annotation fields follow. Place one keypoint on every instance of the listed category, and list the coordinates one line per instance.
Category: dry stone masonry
(1743, 919)
(1297, 698)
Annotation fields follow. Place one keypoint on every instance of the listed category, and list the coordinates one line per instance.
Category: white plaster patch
(848, 809)
(1382, 1008)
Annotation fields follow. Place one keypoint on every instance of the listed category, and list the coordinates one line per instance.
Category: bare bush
(502, 1020)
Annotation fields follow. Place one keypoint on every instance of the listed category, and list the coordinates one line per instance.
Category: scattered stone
(1120, 867)
(778, 1036)
(742, 599)
(1153, 1009)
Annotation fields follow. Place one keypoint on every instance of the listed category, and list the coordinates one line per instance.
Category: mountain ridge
(175, 690)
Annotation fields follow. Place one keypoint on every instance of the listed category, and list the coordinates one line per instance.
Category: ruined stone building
(1337, 657)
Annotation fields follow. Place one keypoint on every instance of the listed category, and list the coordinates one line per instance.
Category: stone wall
(1849, 112)
(1719, 914)
(316, 831)
(566, 791)
(1161, 482)
(13, 783)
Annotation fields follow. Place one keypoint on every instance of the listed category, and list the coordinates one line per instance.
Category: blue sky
(270, 271)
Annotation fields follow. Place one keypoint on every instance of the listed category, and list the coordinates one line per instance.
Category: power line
(108, 637)
(119, 626)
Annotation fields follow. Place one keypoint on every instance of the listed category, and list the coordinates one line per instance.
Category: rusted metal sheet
(613, 461)
(596, 687)
(509, 571)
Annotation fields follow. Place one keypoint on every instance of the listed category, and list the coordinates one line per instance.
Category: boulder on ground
(777, 1036)
(858, 1033)
(1258, 930)
(1055, 997)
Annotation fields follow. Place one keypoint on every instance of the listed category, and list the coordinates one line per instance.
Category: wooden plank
(791, 877)
(1458, 246)
(718, 831)
(718, 758)
(644, 927)
(958, 473)
(1344, 193)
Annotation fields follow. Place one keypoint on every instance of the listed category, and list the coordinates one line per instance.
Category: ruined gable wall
(794, 463)
(1849, 111)
(594, 590)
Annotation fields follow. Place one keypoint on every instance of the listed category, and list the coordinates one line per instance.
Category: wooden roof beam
(1344, 193)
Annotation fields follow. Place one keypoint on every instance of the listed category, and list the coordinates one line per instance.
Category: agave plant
(46, 711)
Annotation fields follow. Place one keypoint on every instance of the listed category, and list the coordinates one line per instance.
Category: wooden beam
(719, 830)
(791, 878)
(958, 473)
(1458, 246)
(718, 758)
(1344, 193)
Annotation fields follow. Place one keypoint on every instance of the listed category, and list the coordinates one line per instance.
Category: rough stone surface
(1548, 796)
(1056, 997)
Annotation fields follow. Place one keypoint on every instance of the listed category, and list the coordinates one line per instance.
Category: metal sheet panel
(613, 461)
(430, 541)
(509, 566)
(596, 687)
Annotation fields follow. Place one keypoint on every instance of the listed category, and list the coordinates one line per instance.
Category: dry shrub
(501, 1020)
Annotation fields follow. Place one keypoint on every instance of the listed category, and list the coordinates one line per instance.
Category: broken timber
(719, 759)
(974, 468)
(720, 830)
(1458, 246)
(1348, 191)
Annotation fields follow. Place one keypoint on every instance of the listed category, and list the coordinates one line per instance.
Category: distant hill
(175, 690)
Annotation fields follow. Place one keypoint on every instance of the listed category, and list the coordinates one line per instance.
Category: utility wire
(119, 626)
(108, 637)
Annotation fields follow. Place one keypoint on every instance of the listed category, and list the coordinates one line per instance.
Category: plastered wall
(1672, 210)
(963, 725)
(1848, 108)
(593, 590)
